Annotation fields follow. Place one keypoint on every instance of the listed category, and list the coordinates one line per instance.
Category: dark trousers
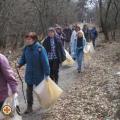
(1, 104)
(29, 92)
(54, 70)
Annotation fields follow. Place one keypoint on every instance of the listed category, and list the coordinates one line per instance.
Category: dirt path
(91, 95)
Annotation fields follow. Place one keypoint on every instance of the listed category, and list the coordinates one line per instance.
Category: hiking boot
(79, 70)
(29, 110)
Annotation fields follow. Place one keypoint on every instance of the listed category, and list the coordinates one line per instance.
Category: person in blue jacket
(94, 35)
(37, 66)
(79, 46)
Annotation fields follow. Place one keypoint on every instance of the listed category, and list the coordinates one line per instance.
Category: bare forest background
(18, 17)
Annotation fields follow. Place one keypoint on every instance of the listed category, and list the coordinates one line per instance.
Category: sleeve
(45, 62)
(96, 33)
(22, 60)
(84, 42)
(62, 55)
(64, 37)
(89, 35)
(8, 74)
(72, 38)
(73, 44)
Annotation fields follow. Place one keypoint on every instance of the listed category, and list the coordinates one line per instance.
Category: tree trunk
(103, 25)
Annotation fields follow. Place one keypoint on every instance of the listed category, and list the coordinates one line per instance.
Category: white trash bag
(89, 48)
(13, 103)
(47, 92)
(69, 60)
(88, 53)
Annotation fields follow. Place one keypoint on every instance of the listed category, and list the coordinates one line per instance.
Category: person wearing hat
(55, 52)
(60, 34)
(73, 41)
(37, 66)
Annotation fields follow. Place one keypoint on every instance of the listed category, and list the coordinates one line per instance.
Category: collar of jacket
(34, 45)
(55, 38)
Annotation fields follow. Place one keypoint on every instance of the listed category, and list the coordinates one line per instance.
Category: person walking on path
(93, 35)
(55, 52)
(37, 66)
(7, 77)
(86, 33)
(59, 33)
(73, 40)
(79, 46)
(68, 32)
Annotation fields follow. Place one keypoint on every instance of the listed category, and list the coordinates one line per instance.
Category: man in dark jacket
(86, 33)
(59, 33)
(93, 35)
(68, 32)
(37, 66)
(55, 52)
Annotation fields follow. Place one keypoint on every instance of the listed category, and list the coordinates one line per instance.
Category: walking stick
(21, 82)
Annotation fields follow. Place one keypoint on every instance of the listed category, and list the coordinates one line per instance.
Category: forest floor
(91, 95)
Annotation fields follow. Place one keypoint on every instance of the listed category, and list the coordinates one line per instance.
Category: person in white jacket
(73, 39)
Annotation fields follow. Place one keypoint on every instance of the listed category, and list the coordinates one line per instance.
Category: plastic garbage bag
(92, 50)
(13, 103)
(69, 60)
(118, 73)
(89, 48)
(88, 53)
(47, 92)
(87, 59)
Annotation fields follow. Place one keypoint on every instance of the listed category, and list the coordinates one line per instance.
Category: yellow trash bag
(69, 60)
(10, 109)
(47, 92)
(87, 59)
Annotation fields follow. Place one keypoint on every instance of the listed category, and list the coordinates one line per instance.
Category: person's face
(77, 29)
(29, 41)
(80, 35)
(58, 30)
(51, 34)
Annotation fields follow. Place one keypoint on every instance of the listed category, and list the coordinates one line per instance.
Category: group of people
(79, 39)
(90, 34)
(43, 60)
